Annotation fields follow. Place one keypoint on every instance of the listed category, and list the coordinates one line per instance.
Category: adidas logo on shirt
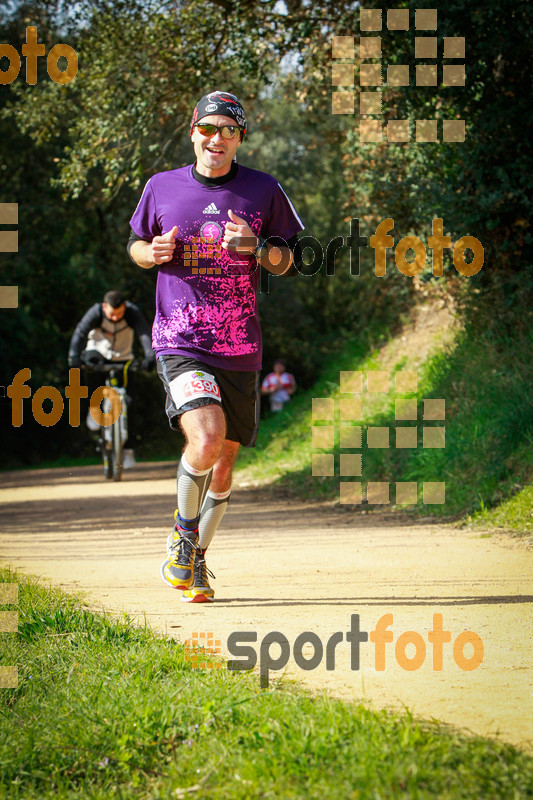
(211, 209)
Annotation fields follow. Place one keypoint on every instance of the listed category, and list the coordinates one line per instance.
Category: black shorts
(236, 392)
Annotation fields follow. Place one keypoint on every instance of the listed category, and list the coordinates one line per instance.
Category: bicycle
(111, 438)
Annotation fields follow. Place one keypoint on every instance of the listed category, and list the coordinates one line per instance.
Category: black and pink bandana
(220, 103)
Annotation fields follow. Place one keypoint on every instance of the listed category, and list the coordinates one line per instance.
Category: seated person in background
(278, 385)
(105, 334)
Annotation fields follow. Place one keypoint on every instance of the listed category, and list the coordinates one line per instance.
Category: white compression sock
(192, 484)
(213, 509)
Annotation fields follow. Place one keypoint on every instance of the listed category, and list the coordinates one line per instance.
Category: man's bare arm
(158, 251)
(141, 252)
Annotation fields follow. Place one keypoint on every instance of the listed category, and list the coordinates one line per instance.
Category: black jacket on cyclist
(113, 340)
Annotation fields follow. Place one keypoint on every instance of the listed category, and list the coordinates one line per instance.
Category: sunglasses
(226, 131)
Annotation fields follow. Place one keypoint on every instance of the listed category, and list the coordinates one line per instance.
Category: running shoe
(174, 536)
(177, 570)
(200, 591)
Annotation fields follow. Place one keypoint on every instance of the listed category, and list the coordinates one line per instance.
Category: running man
(205, 226)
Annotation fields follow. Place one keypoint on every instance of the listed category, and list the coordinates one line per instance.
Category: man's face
(114, 314)
(214, 154)
(279, 367)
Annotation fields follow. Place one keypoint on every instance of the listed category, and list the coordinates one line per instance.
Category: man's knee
(205, 430)
(208, 443)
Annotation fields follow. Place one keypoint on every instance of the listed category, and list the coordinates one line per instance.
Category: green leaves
(142, 66)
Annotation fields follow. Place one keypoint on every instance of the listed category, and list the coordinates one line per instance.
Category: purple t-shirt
(206, 305)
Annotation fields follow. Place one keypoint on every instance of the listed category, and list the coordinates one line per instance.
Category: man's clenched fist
(238, 236)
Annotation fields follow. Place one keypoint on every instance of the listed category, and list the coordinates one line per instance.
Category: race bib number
(193, 385)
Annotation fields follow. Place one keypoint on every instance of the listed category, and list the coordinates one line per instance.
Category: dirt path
(293, 568)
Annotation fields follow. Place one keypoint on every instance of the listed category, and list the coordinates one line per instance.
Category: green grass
(283, 449)
(106, 709)
(487, 384)
(515, 514)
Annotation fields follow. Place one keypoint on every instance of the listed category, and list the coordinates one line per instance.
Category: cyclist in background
(104, 335)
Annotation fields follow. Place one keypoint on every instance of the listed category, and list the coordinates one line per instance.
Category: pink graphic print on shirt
(216, 313)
